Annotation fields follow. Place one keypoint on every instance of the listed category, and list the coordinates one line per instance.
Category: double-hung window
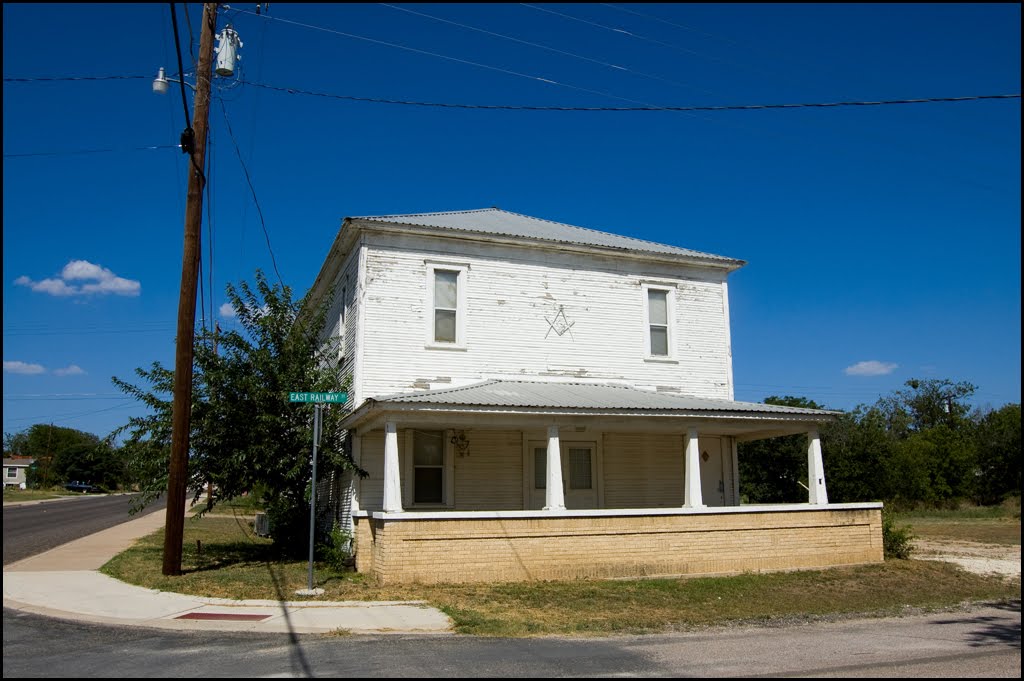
(658, 334)
(446, 287)
(429, 468)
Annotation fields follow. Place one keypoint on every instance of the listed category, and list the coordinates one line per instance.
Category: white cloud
(99, 280)
(69, 370)
(870, 368)
(23, 368)
(55, 287)
(227, 311)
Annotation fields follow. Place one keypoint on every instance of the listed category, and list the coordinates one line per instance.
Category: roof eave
(372, 410)
(717, 262)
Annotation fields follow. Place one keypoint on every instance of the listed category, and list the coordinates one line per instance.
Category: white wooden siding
(513, 296)
(490, 477)
(371, 488)
(344, 335)
(643, 470)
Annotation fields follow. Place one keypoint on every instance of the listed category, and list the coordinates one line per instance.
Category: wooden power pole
(181, 410)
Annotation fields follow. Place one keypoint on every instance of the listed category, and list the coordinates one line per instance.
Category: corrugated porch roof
(539, 398)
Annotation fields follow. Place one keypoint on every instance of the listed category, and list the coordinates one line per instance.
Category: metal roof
(550, 395)
(502, 222)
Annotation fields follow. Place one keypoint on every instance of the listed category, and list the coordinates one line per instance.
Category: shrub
(337, 550)
(896, 541)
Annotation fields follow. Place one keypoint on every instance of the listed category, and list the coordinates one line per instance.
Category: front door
(712, 471)
(579, 474)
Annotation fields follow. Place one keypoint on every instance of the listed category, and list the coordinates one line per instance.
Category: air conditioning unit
(262, 526)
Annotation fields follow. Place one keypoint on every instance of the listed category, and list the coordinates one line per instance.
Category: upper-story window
(446, 286)
(658, 312)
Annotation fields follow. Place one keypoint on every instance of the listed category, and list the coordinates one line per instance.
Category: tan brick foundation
(408, 548)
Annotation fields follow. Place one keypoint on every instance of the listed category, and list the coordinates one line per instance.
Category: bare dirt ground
(980, 558)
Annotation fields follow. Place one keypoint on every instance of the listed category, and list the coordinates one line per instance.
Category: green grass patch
(981, 524)
(223, 558)
(246, 506)
(12, 494)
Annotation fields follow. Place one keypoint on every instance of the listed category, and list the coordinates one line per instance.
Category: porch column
(692, 497)
(392, 483)
(554, 496)
(816, 493)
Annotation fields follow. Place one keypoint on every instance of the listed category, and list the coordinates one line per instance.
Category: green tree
(853, 449)
(244, 433)
(997, 443)
(64, 454)
(774, 470)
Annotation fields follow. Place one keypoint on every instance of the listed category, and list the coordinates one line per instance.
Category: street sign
(330, 398)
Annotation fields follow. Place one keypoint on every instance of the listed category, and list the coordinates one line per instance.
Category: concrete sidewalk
(65, 582)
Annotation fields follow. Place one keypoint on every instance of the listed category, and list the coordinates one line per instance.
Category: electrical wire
(252, 189)
(73, 152)
(181, 69)
(446, 57)
(639, 36)
(616, 67)
(57, 79)
(725, 107)
(528, 107)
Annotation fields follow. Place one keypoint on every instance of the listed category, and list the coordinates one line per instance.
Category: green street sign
(332, 398)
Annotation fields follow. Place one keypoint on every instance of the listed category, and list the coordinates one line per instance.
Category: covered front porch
(511, 481)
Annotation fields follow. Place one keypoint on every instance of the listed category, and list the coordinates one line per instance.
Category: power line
(725, 107)
(616, 67)
(443, 56)
(638, 36)
(252, 189)
(75, 152)
(57, 79)
(181, 69)
(530, 107)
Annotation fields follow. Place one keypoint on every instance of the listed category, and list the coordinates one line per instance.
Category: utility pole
(181, 410)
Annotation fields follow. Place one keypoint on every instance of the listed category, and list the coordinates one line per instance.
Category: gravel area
(980, 558)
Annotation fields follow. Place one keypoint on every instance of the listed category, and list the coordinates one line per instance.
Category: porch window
(579, 472)
(658, 307)
(540, 468)
(428, 467)
(447, 304)
(579, 468)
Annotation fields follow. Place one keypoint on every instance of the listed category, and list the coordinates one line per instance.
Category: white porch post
(392, 482)
(816, 493)
(554, 496)
(692, 497)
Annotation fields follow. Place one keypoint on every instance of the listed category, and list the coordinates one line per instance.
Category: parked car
(78, 486)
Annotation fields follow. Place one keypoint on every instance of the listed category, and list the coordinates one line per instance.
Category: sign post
(318, 400)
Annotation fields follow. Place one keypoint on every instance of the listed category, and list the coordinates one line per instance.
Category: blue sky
(883, 242)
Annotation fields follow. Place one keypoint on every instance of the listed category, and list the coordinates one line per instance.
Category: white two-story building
(534, 400)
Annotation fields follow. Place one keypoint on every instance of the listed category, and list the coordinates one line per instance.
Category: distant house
(16, 471)
(535, 400)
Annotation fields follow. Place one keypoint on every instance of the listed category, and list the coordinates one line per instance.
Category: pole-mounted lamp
(162, 83)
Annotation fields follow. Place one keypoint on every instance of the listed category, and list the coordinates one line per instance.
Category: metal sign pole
(312, 492)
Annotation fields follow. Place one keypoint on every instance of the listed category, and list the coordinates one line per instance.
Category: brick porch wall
(506, 549)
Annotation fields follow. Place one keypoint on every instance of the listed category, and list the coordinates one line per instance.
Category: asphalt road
(32, 528)
(984, 643)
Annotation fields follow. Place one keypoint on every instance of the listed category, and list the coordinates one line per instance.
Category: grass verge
(13, 494)
(223, 558)
(982, 524)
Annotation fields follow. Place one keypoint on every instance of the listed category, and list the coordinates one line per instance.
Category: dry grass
(230, 562)
(984, 524)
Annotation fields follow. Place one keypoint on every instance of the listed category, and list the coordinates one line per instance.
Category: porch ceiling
(532, 404)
